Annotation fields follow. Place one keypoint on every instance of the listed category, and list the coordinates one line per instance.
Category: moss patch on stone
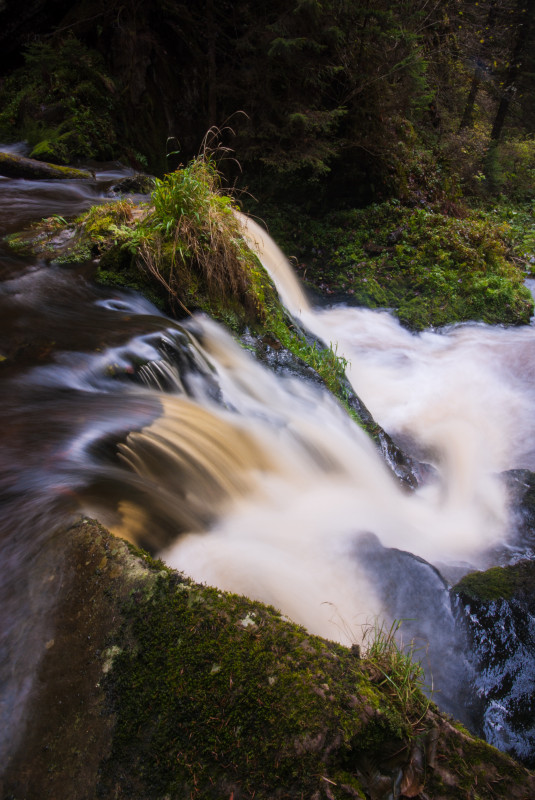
(494, 584)
(500, 583)
(16, 166)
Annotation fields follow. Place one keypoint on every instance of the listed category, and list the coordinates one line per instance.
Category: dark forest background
(360, 100)
(388, 146)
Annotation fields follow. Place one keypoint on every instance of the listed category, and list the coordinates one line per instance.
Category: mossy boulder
(154, 686)
(134, 184)
(496, 609)
(17, 166)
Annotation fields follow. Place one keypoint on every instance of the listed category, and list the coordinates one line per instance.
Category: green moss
(429, 268)
(500, 583)
(214, 694)
(494, 584)
(52, 150)
(211, 690)
(190, 692)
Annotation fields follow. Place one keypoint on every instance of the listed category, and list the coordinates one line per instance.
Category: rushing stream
(177, 438)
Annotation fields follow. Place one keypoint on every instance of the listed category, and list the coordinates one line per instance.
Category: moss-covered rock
(16, 166)
(514, 582)
(494, 584)
(134, 184)
(496, 609)
(158, 687)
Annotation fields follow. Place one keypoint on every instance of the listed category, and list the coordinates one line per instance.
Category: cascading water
(175, 437)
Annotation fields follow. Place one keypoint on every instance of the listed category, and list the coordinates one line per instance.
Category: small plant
(403, 674)
(195, 238)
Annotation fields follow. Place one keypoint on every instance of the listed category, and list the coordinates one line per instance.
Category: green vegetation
(192, 243)
(486, 586)
(201, 687)
(403, 673)
(61, 101)
(215, 695)
(519, 219)
(325, 361)
(499, 583)
(430, 268)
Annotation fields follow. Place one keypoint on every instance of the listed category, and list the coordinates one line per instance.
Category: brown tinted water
(177, 439)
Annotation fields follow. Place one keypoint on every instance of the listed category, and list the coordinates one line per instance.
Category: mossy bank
(155, 686)
(430, 268)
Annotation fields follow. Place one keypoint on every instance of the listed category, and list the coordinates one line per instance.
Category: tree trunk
(524, 12)
(468, 114)
(15, 166)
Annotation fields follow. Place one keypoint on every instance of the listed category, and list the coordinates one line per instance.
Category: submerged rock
(152, 687)
(270, 352)
(134, 184)
(497, 610)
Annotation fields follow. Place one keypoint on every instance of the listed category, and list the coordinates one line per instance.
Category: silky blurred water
(176, 438)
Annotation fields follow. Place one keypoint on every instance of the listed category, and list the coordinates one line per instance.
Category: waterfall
(276, 264)
(178, 439)
(266, 487)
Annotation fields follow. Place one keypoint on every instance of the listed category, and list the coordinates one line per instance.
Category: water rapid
(178, 439)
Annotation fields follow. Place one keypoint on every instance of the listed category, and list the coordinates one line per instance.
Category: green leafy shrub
(413, 171)
(62, 102)
(510, 167)
(463, 153)
(520, 221)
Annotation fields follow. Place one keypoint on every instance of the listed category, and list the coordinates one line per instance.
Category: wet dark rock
(134, 184)
(414, 592)
(409, 471)
(180, 368)
(521, 487)
(270, 352)
(520, 541)
(496, 608)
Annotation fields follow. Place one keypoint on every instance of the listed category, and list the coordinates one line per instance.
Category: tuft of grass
(403, 676)
(194, 240)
